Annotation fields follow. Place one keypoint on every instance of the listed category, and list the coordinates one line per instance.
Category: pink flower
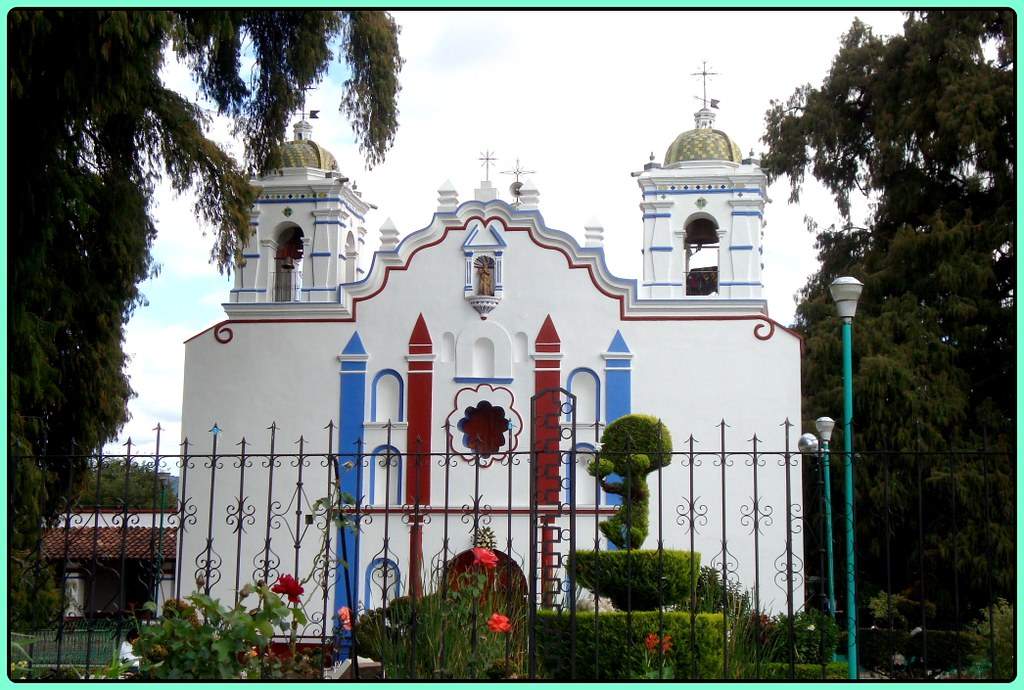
(346, 617)
(499, 623)
(289, 586)
(484, 557)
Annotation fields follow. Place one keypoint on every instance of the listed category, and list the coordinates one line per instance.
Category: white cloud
(580, 97)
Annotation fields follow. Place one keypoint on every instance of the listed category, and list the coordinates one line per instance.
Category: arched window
(586, 386)
(586, 485)
(386, 483)
(387, 403)
(383, 582)
(287, 264)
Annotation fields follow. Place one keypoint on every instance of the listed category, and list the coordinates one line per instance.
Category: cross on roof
(487, 157)
(517, 171)
(705, 74)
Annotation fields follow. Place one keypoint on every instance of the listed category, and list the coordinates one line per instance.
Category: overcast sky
(582, 98)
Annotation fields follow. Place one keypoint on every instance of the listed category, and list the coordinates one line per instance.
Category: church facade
(429, 368)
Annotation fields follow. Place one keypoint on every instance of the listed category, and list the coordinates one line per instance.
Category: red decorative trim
(222, 333)
(764, 321)
(548, 364)
(421, 366)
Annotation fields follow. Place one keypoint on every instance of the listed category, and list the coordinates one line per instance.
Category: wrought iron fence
(405, 542)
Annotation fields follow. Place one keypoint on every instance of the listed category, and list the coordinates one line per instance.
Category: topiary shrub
(631, 578)
(632, 447)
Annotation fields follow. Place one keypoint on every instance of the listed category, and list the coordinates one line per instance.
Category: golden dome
(306, 153)
(703, 144)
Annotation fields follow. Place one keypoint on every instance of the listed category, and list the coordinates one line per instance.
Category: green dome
(306, 153)
(703, 144)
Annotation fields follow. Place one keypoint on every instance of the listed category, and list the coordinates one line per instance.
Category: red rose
(290, 587)
(499, 623)
(484, 557)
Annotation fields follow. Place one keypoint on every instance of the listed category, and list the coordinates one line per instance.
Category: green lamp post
(825, 425)
(846, 291)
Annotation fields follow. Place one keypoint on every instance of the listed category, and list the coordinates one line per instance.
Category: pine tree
(923, 124)
(92, 129)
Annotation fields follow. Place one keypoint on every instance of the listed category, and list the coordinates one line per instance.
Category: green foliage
(632, 447)
(94, 129)
(631, 578)
(445, 634)
(119, 484)
(877, 647)
(815, 636)
(830, 671)
(997, 632)
(204, 639)
(921, 123)
(710, 593)
(620, 653)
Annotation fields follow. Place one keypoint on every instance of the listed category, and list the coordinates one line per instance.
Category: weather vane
(313, 114)
(517, 186)
(517, 171)
(705, 74)
(486, 158)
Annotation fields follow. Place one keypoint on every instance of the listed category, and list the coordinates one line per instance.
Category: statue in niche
(484, 275)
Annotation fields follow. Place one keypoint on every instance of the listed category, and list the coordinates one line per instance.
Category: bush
(876, 647)
(620, 650)
(632, 447)
(780, 671)
(631, 578)
(815, 635)
(1002, 625)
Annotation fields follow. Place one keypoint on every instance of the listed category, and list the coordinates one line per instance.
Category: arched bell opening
(700, 252)
(287, 263)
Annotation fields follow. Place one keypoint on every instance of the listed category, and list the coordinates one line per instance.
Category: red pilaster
(547, 417)
(417, 450)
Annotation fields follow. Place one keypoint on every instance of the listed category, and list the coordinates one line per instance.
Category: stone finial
(388, 235)
(486, 191)
(529, 197)
(447, 197)
(593, 231)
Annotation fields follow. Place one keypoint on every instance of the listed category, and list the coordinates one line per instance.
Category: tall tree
(91, 130)
(923, 124)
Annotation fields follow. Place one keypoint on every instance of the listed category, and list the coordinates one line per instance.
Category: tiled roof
(306, 153)
(703, 144)
(140, 543)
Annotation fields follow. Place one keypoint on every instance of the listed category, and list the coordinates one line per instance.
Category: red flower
(484, 557)
(499, 623)
(345, 615)
(652, 641)
(289, 586)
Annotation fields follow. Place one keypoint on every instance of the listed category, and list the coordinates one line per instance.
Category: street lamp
(846, 291)
(825, 425)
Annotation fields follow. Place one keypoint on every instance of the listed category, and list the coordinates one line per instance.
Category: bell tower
(703, 211)
(307, 225)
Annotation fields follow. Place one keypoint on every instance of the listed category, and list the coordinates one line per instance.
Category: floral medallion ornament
(287, 212)
(701, 202)
(484, 425)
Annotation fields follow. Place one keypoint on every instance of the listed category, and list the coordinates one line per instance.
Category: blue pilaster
(618, 379)
(350, 447)
(618, 386)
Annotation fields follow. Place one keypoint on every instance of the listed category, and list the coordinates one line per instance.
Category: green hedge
(630, 578)
(621, 648)
(777, 671)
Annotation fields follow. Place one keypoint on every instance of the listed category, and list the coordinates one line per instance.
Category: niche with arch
(387, 397)
(386, 483)
(483, 353)
(585, 384)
